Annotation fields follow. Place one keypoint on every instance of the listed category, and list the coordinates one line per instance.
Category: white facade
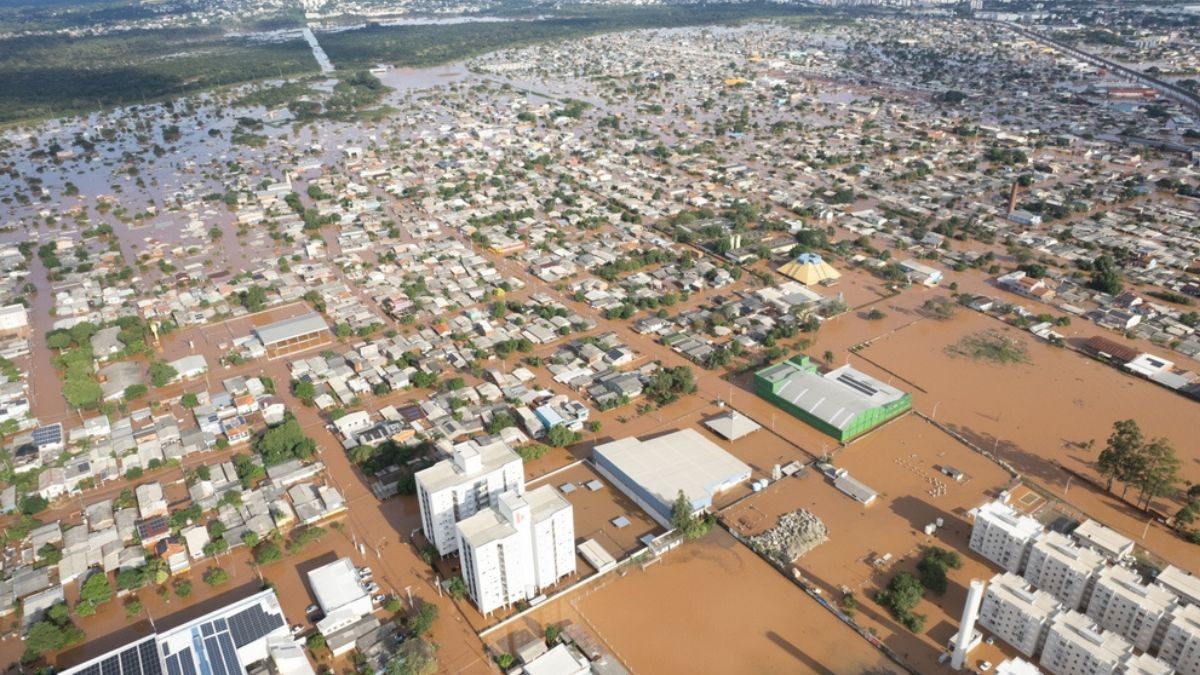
(1002, 535)
(457, 488)
(512, 551)
(1016, 613)
(1181, 643)
(13, 318)
(1062, 569)
(1123, 604)
(1076, 646)
(1181, 583)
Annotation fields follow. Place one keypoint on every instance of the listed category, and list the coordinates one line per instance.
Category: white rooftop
(447, 473)
(1105, 539)
(335, 585)
(1180, 582)
(490, 524)
(1018, 526)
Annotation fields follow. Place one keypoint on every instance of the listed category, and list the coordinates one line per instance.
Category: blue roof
(809, 259)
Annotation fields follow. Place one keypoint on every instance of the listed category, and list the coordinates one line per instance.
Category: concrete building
(1016, 613)
(14, 319)
(1063, 569)
(1113, 545)
(1144, 664)
(844, 403)
(227, 641)
(1017, 666)
(471, 480)
(1181, 641)
(653, 472)
(513, 550)
(1181, 583)
(342, 598)
(293, 335)
(1002, 535)
(1076, 646)
(1123, 604)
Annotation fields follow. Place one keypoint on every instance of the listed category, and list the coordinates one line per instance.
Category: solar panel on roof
(151, 665)
(220, 624)
(45, 435)
(173, 665)
(185, 662)
(251, 624)
(207, 629)
(129, 662)
(230, 654)
(215, 662)
(111, 666)
(93, 669)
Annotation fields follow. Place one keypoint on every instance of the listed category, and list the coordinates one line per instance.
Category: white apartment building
(471, 480)
(1121, 603)
(512, 551)
(1002, 535)
(1063, 569)
(1114, 545)
(1016, 613)
(1144, 664)
(1181, 583)
(1181, 642)
(1076, 646)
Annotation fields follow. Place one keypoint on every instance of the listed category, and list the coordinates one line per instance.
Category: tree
(162, 374)
(284, 442)
(1118, 460)
(933, 567)
(314, 642)
(1106, 277)
(134, 391)
(216, 576)
(415, 656)
(131, 578)
(457, 588)
(422, 621)
(685, 521)
(183, 588)
(81, 392)
(1160, 471)
(267, 552)
(903, 593)
(95, 590)
(33, 504)
(560, 436)
(189, 400)
(305, 391)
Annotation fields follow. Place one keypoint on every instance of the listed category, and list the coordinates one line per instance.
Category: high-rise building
(1181, 583)
(471, 480)
(1002, 535)
(1016, 613)
(1181, 642)
(511, 551)
(1076, 646)
(1063, 569)
(1123, 604)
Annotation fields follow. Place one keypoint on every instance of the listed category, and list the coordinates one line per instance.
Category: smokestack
(1012, 198)
(966, 628)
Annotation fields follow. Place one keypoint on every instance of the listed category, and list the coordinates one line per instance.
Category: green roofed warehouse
(844, 403)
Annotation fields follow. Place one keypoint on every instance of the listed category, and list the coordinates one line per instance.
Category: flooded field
(709, 593)
(1040, 415)
(902, 462)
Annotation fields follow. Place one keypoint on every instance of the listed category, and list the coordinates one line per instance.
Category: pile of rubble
(797, 533)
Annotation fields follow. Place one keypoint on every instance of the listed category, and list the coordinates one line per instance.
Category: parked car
(985, 666)
(380, 599)
(311, 609)
(371, 587)
(364, 573)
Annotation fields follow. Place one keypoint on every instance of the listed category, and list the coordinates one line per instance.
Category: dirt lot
(902, 463)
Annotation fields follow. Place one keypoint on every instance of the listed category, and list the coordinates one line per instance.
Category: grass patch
(992, 346)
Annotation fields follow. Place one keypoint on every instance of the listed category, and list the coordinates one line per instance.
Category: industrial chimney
(1012, 198)
(966, 629)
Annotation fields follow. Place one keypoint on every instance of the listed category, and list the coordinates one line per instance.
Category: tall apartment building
(1136, 611)
(1114, 545)
(1076, 646)
(1181, 583)
(471, 480)
(1144, 664)
(1002, 535)
(1063, 569)
(1016, 613)
(1181, 642)
(510, 552)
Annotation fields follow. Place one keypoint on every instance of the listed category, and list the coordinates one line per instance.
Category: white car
(371, 587)
(985, 666)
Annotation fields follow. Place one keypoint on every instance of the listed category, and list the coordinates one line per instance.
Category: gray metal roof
(291, 328)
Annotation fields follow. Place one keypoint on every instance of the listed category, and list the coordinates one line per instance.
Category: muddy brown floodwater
(1040, 414)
